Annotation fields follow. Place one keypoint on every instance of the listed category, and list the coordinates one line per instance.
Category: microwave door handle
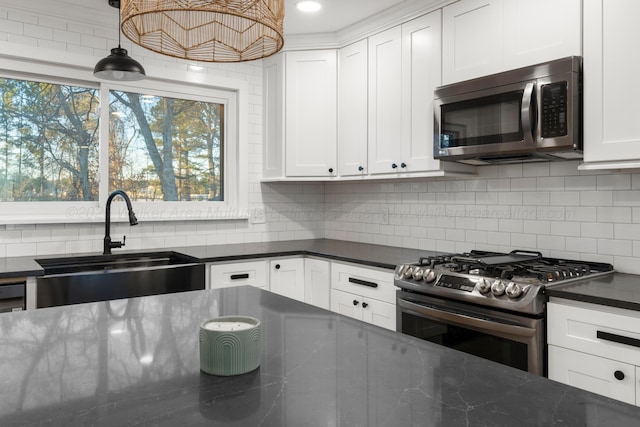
(526, 113)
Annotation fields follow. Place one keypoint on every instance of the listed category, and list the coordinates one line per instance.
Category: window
(163, 148)
(176, 145)
(48, 141)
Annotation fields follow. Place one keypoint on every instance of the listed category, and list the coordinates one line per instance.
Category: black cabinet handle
(360, 168)
(619, 375)
(239, 276)
(364, 305)
(330, 170)
(355, 302)
(403, 165)
(277, 266)
(621, 339)
(362, 282)
(393, 165)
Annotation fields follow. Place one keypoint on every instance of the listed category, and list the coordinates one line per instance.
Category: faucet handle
(124, 239)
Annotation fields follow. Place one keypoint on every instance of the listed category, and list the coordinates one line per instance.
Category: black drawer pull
(363, 282)
(239, 276)
(621, 339)
(619, 375)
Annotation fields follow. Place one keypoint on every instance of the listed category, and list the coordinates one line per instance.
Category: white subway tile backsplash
(615, 247)
(613, 182)
(626, 198)
(598, 230)
(581, 244)
(580, 183)
(596, 198)
(614, 214)
(554, 183)
(535, 198)
(551, 242)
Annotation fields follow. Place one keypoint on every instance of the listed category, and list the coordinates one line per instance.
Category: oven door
(510, 339)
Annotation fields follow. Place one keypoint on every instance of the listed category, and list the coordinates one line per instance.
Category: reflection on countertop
(135, 362)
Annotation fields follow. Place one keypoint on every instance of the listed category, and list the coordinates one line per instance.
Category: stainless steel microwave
(528, 114)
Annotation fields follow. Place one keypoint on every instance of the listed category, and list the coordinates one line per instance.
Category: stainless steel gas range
(488, 304)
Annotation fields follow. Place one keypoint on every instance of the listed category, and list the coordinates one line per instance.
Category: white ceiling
(335, 15)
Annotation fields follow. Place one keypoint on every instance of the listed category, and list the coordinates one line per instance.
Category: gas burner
(513, 281)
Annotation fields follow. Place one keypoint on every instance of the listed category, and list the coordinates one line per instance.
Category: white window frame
(68, 68)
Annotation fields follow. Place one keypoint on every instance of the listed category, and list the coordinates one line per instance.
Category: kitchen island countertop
(135, 362)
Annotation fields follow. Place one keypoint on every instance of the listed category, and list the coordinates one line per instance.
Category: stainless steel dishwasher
(107, 277)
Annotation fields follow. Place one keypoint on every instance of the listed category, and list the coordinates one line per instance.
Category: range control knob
(400, 270)
(408, 272)
(497, 288)
(417, 273)
(513, 290)
(484, 286)
(429, 275)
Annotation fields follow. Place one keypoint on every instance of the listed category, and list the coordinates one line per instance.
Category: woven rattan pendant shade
(208, 31)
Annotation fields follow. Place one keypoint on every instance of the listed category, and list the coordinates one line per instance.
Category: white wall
(546, 206)
(290, 208)
(550, 207)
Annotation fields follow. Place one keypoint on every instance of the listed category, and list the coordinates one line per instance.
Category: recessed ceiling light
(308, 6)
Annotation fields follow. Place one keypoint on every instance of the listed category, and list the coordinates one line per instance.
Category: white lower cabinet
(317, 289)
(592, 373)
(252, 273)
(286, 277)
(365, 294)
(595, 348)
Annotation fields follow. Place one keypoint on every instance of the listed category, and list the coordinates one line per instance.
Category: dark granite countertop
(136, 362)
(616, 290)
(361, 253)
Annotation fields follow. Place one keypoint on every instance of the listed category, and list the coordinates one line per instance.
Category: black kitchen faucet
(108, 244)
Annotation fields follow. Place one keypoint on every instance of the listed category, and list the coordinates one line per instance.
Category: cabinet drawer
(252, 273)
(589, 328)
(592, 373)
(367, 282)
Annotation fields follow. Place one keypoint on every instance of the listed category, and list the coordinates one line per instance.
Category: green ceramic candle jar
(229, 345)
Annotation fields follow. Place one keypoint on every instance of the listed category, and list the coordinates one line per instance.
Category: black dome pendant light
(118, 66)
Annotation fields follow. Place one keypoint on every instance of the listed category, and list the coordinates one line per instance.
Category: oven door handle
(455, 319)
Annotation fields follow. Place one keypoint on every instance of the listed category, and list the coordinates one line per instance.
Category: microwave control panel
(554, 114)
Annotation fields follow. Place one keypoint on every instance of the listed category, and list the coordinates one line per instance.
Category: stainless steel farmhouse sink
(105, 277)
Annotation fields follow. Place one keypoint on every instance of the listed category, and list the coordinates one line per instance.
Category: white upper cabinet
(385, 101)
(540, 30)
(472, 39)
(482, 37)
(352, 109)
(421, 74)
(273, 156)
(611, 109)
(311, 113)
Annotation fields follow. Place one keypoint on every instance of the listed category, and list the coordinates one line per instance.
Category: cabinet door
(385, 101)
(379, 313)
(311, 113)
(540, 30)
(421, 74)
(273, 157)
(252, 273)
(346, 304)
(287, 277)
(607, 377)
(317, 286)
(352, 109)
(611, 131)
(472, 39)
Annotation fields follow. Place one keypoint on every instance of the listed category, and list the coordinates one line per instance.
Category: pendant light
(118, 66)
(206, 30)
